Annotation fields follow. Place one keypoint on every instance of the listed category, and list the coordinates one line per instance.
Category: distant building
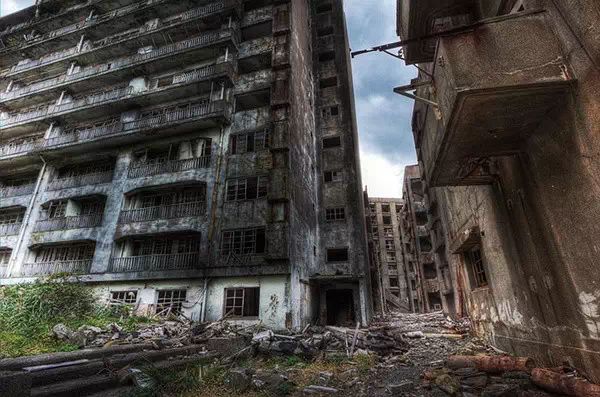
(194, 157)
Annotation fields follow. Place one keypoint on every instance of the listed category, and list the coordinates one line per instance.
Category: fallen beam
(492, 364)
(566, 384)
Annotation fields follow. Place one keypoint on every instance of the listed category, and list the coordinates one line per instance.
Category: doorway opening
(340, 307)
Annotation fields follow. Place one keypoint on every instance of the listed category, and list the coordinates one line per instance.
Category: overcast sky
(383, 117)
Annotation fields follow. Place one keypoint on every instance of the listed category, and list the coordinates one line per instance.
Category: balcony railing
(68, 223)
(10, 229)
(182, 210)
(154, 263)
(81, 180)
(107, 41)
(138, 170)
(123, 63)
(81, 266)
(184, 113)
(20, 148)
(14, 191)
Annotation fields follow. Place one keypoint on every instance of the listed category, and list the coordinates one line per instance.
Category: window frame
(335, 214)
(474, 257)
(243, 291)
(179, 302)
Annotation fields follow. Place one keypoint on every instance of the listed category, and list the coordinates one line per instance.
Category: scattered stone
(415, 335)
(500, 390)
(400, 388)
(315, 390)
(448, 384)
(477, 382)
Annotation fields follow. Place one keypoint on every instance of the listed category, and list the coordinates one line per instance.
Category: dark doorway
(340, 307)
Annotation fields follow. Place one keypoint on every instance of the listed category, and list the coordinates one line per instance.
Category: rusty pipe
(492, 364)
(566, 384)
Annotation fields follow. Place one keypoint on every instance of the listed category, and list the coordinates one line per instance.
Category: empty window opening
(475, 260)
(241, 302)
(252, 100)
(394, 282)
(332, 142)
(385, 208)
(429, 271)
(256, 31)
(413, 285)
(243, 241)
(425, 244)
(387, 220)
(249, 142)
(330, 111)
(328, 82)
(247, 188)
(340, 307)
(332, 176)
(327, 56)
(326, 31)
(335, 214)
(388, 232)
(392, 267)
(390, 256)
(337, 255)
(323, 8)
(5, 254)
(435, 301)
(389, 245)
(170, 302)
(123, 298)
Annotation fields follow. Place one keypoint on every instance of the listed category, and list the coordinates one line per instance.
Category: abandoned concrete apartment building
(185, 156)
(508, 157)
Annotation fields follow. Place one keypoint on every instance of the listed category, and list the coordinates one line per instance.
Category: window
(387, 220)
(332, 176)
(326, 31)
(5, 255)
(335, 214)
(242, 302)
(390, 256)
(394, 282)
(332, 142)
(123, 297)
(56, 209)
(385, 208)
(389, 245)
(59, 253)
(392, 267)
(330, 111)
(475, 260)
(328, 82)
(166, 246)
(249, 142)
(243, 241)
(337, 255)
(327, 56)
(247, 188)
(388, 232)
(323, 8)
(170, 301)
(413, 285)
(12, 216)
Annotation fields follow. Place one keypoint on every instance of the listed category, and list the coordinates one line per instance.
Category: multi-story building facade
(507, 139)
(390, 275)
(189, 156)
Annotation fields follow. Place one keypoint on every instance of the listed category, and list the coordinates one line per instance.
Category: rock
(314, 390)
(400, 388)
(500, 390)
(272, 384)
(62, 332)
(415, 335)
(477, 382)
(448, 384)
(466, 372)
(325, 376)
(238, 380)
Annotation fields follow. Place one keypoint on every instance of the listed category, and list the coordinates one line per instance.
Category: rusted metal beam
(492, 364)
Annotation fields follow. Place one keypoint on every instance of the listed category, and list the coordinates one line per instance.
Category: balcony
(202, 114)
(19, 148)
(47, 268)
(10, 229)
(68, 223)
(81, 180)
(432, 285)
(15, 191)
(182, 210)
(95, 75)
(143, 169)
(495, 85)
(115, 43)
(156, 263)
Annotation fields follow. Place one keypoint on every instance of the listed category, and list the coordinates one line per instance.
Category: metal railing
(21, 147)
(182, 210)
(153, 263)
(138, 170)
(14, 191)
(10, 229)
(68, 223)
(81, 266)
(81, 180)
(125, 62)
(183, 113)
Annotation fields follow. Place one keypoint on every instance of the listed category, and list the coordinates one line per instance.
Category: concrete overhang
(494, 85)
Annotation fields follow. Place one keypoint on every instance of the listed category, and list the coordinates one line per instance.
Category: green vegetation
(29, 311)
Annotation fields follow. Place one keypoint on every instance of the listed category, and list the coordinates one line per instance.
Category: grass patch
(29, 311)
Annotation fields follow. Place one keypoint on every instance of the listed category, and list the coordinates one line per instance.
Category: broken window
(56, 209)
(328, 82)
(385, 208)
(243, 241)
(389, 245)
(388, 232)
(387, 220)
(330, 111)
(337, 255)
(123, 297)
(475, 260)
(394, 282)
(5, 254)
(327, 56)
(249, 142)
(242, 302)
(333, 176)
(170, 301)
(12, 216)
(247, 188)
(332, 142)
(335, 214)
